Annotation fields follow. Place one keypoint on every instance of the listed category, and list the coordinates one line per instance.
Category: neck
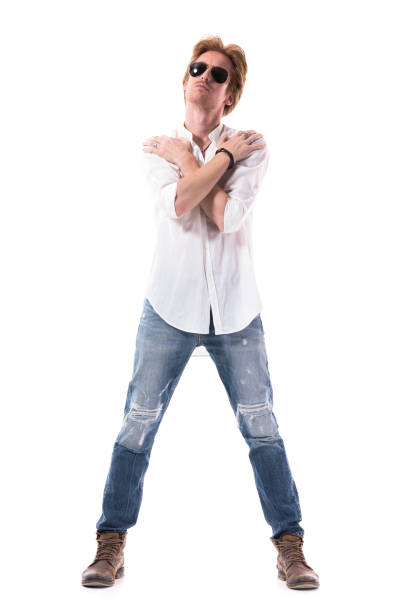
(200, 124)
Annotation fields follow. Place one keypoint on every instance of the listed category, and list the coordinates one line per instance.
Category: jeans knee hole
(257, 420)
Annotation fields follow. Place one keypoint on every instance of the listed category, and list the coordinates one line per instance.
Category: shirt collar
(213, 135)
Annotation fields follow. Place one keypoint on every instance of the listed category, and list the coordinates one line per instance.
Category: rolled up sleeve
(161, 177)
(243, 186)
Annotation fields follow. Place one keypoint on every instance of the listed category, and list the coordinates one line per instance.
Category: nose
(206, 73)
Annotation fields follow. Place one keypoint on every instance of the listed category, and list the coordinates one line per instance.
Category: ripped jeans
(162, 352)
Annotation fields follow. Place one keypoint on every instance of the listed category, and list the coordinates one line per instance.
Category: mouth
(203, 86)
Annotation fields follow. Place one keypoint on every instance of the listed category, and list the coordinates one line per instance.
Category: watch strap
(232, 161)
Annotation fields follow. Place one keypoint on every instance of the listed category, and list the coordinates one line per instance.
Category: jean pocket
(146, 309)
(149, 315)
(256, 323)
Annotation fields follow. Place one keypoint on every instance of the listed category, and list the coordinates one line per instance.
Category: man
(202, 291)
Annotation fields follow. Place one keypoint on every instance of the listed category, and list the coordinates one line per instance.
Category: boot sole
(300, 585)
(100, 582)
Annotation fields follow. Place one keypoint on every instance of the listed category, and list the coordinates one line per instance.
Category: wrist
(187, 163)
(227, 153)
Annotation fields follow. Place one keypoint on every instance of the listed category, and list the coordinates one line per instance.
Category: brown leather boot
(291, 562)
(109, 560)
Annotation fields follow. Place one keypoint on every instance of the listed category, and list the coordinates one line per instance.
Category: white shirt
(195, 265)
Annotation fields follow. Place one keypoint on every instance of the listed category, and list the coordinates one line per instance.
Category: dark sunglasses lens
(197, 68)
(220, 75)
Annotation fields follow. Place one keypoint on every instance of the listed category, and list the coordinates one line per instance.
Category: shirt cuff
(168, 196)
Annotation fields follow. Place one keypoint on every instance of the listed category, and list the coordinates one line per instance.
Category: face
(211, 95)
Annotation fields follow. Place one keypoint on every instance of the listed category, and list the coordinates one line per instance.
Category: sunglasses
(220, 75)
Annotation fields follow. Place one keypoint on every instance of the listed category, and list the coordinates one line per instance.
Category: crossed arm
(215, 201)
(181, 184)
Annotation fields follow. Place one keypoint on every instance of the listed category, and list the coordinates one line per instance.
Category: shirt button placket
(209, 275)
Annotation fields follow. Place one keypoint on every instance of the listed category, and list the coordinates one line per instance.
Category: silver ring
(155, 145)
(246, 134)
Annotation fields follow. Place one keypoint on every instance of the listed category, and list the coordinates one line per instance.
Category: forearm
(213, 204)
(198, 186)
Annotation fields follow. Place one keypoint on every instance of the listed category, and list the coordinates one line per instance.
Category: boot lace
(108, 549)
(292, 552)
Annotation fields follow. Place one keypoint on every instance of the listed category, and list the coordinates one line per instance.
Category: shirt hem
(206, 332)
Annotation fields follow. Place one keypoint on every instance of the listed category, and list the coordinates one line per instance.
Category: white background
(83, 85)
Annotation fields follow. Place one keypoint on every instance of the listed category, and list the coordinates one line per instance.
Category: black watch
(232, 162)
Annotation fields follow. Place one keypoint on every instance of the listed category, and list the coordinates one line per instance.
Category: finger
(149, 148)
(248, 135)
(151, 144)
(152, 139)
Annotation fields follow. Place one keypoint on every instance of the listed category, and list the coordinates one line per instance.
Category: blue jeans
(162, 352)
